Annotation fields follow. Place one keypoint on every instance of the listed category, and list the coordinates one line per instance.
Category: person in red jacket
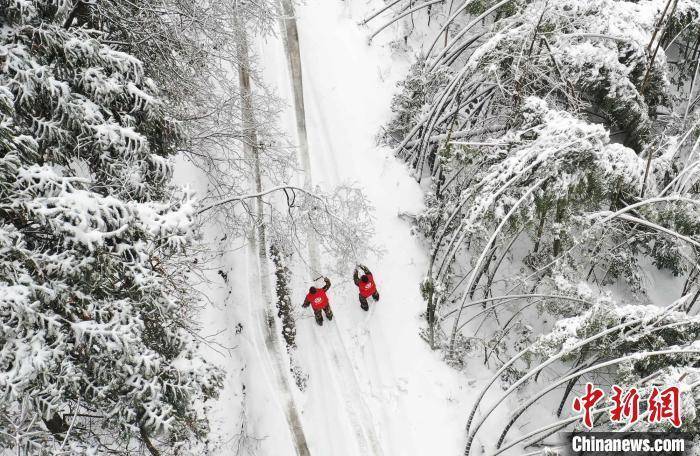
(366, 285)
(318, 300)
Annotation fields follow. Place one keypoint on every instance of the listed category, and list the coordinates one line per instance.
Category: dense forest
(515, 182)
(559, 143)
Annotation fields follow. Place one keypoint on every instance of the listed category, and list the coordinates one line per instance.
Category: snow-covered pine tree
(188, 48)
(95, 352)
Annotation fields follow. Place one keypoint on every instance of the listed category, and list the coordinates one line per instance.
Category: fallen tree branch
(255, 195)
(404, 14)
(459, 135)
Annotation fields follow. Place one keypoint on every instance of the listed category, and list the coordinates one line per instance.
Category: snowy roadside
(237, 424)
(375, 387)
(417, 404)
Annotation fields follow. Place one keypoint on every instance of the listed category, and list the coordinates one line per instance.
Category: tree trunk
(251, 154)
(291, 43)
(561, 207)
(284, 302)
(430, 313)
(147, 441)
(540, 230)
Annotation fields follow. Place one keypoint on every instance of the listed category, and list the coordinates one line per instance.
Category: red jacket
(318, 300)
(367, 289)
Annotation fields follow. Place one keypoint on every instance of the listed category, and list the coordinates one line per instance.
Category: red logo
(626, 406)
(586, 402)
(661, 405)
(665, 405)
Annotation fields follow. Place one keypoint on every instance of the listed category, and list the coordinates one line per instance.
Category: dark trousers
(363, 301)
(319, 316)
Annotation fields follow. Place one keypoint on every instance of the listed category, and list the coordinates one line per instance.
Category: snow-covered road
(374, 386)
(369, 384)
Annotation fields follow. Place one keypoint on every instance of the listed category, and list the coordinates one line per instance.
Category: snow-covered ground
(380, 372)
(374, 386)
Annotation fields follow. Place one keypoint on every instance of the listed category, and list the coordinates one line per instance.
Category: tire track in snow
(352, 102)
(348, 371)
(282, 379)
(360, 413)
(317, 370)
(330, 168)
(384, 377)
(359, 430)
(352, 416)
(274, 359)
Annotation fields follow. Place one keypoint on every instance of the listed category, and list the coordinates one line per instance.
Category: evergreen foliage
(95, 347)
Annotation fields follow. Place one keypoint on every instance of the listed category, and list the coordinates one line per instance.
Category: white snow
(374, 387)
(370, 374)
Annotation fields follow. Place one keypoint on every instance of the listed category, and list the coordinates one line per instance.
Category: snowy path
(269, 350)
(374, 386)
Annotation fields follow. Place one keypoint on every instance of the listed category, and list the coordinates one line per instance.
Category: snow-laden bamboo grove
(520, 176)
(558, 145)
